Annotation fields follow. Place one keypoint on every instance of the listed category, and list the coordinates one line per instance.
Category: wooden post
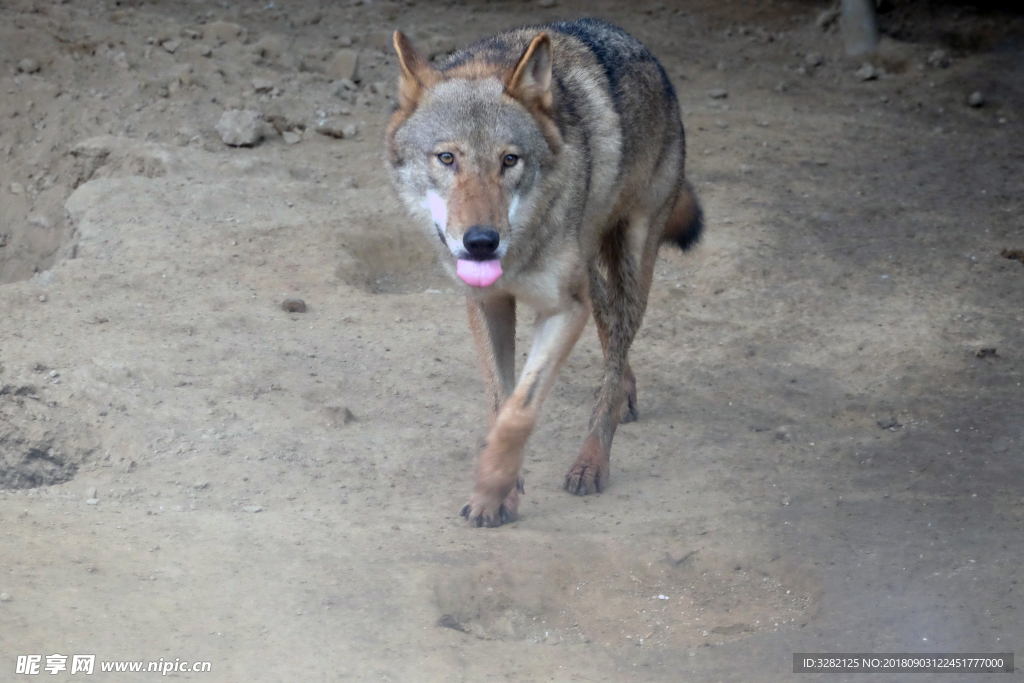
(859, 25)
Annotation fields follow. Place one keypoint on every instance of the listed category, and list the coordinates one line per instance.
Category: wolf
(546, 163)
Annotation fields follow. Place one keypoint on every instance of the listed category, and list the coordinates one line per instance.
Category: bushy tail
(686, 223)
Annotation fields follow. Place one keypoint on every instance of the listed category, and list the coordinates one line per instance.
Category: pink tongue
(478, 273)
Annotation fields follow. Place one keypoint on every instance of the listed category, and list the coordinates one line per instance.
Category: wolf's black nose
(481, 242)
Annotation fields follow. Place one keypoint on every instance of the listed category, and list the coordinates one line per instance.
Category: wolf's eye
(510, 160)
(446, 158)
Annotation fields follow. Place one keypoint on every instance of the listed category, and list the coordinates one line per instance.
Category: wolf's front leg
(501, 460)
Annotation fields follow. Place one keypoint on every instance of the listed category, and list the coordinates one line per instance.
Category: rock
(43, 298)
(239, 127)
(252, 508)
(291, 137)
(939, 59)
(827, 19)
(28, 66)
(1012, 254)
(335, 128)
(888, 423)
(337, 416)
(718, 93)
(262, 85)
(866, 72)
(5, 597)
(90, 492)
(293, 305)
(383, 41)
(440, 46)
(813, 59)
(220, 32)
(17, 188)
(170, 45)
(205, 50)
(342, 87)
(786, 433)
(92, 501)
(344, 65)
(446, 621)
(976, 99)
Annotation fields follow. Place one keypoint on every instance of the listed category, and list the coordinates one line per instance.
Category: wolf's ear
(417, 74)
(531, 80)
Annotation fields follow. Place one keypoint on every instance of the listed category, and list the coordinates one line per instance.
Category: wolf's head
(468, 146)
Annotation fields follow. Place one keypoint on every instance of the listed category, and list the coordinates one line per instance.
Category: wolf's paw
(589, 474)
(489, 516)
(480, 514)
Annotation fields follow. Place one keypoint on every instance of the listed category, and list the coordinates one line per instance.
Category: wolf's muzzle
(481, 242)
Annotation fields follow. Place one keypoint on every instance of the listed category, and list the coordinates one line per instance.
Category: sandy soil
(829, 453)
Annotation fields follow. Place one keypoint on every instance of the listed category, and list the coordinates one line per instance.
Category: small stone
(253, 508)
(439, 47)
(345, 64)
(220, 32)
(43, 298)
(92, 501)
(28, 66)
(987, 353)
(827, 18)
(294, 305)
(718, 93)
(722, 124)
(939, 59)
(813, 59)
(170, 45)
(17, 188)
(351, 130)
(341, 87)
(866, 72)
(238, 127)
(448, 621)
(205, 50)
(332, 128)
(5, 597)
(976, 99)
(546, 3)
(888, 423)
(785, 433)
(90, 492)
(262, 85)
(200, 484)
(291, 137)
(337, 416)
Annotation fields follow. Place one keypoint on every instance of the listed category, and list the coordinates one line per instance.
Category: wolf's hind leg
(619, 300)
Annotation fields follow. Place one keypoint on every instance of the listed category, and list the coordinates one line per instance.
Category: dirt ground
(829, 452)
